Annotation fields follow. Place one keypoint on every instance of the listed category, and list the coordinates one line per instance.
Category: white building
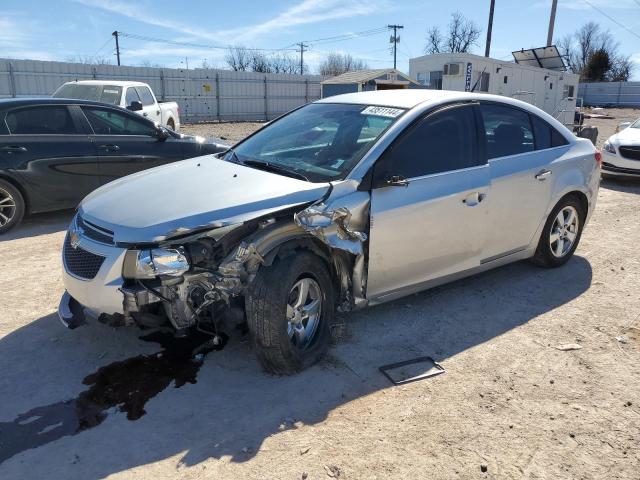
(552, 90)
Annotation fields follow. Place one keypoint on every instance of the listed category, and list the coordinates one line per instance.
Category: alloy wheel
(304, 308)
(7, 207)
(564, 231)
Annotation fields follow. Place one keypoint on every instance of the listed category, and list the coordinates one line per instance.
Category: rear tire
(171, 124)
(561, 233)
(278, 330)
(12, 206)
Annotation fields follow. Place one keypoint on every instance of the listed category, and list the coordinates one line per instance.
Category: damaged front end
(203, 278)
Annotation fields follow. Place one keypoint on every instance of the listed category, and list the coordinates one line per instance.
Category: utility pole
(487, 48)
(395, 39)
(115, 34)
(552, 21)
(302, 46)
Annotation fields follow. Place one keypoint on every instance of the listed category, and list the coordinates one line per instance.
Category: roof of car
(28, 101)
(117, 83)
(409, 98)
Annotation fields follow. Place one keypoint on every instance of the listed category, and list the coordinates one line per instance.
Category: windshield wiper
(272, 167)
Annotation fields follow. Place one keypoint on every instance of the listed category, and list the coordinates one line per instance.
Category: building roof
(362, 76)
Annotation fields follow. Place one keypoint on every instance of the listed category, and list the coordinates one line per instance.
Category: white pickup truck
(134, 96)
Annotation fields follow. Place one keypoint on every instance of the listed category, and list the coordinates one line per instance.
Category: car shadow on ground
(234, 407)
(622, 184)
(40, 224)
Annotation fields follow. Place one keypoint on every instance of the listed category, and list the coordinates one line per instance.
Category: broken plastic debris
(622, 339)
(569, 346)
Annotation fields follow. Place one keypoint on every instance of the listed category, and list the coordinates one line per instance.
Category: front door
(428, 204)
(52, 154)
(127, 144)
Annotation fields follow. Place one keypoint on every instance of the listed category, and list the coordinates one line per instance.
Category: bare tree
(238, 58)
(462, 34)
(87, 60)
(339, 63)
(283, 63)
(259, 62)
(579, 48)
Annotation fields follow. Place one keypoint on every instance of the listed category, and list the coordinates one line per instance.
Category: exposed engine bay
(201, 279)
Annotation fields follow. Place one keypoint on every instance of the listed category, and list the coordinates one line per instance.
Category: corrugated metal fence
(203, 95)
(610, 94)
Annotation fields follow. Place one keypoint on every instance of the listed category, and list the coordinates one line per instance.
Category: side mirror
(161, 133)
(135, 106)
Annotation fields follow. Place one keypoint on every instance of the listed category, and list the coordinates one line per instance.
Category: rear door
(126, 143)
(428, 207)
(521, 178)
(52, 154)
(150, 107)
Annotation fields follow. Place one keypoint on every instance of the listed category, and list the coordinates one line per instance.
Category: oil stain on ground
(124, 386)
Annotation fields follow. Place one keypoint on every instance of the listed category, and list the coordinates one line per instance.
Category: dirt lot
(510, 403)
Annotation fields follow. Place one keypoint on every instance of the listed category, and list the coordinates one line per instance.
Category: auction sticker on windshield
(382, 111)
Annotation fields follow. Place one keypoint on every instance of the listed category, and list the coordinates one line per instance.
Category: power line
(195, 45)
(611, 18)
(101, 48)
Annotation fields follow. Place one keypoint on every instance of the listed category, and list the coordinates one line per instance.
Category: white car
(135, 96)
(621, 152)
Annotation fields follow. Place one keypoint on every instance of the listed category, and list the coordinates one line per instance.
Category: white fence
(203, 94)
(610, 94)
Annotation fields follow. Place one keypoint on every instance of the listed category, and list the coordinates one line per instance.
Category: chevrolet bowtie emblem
(74, 239)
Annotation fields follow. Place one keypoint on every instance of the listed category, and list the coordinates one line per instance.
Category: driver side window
(111, 122)
(443, 141)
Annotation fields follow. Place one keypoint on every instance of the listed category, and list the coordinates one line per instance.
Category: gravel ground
(511, 404)
(232, 132)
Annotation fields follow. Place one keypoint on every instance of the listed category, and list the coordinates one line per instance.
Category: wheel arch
(287, 238)
(18, 186)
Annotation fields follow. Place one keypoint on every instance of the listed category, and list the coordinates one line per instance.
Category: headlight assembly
(146, 264)
(608, 147)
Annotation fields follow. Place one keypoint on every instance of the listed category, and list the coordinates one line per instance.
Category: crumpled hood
(628, 136)
(173, 199)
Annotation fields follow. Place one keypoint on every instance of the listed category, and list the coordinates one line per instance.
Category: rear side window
(110, 122)
(99, 93)
(441, 142)
(545, 135)
(131, 96)
(508, 130)
(41, 120)
(145, 95)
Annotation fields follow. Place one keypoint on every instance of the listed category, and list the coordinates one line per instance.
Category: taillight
(598, 156)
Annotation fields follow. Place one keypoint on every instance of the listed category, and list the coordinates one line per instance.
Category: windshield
(99, 93)
(320, 142)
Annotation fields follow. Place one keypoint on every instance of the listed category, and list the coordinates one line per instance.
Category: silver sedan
(350, 201)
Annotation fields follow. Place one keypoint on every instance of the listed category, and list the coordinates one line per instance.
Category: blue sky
(58, 30)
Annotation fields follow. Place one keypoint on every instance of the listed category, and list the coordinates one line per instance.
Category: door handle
(157, 112)
(13, 149)
(542, 175)
(109, 148)
(474, 199)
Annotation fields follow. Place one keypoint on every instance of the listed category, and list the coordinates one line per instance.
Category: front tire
(290, 307)
(12, 206)
(561, 233)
